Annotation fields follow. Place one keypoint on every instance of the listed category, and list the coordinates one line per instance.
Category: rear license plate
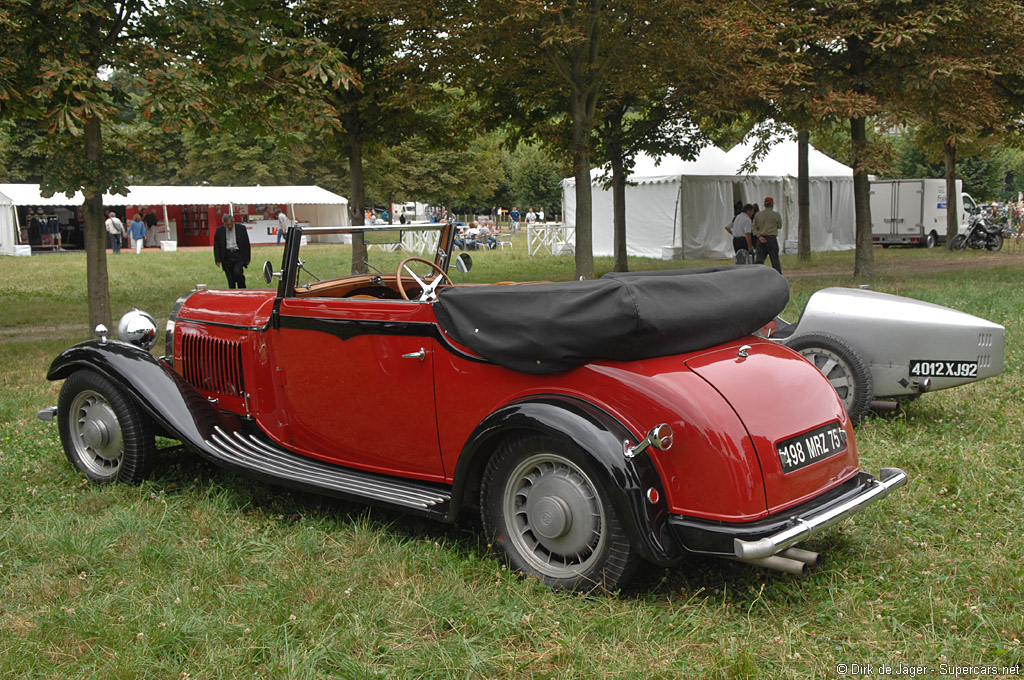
(810, 447)
(920, 368)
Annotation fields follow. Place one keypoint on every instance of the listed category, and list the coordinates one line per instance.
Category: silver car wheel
(835, 369)
(842, 365)
(96, 434)
(555, 518)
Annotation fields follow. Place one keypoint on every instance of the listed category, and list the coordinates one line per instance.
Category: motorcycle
(981, 234)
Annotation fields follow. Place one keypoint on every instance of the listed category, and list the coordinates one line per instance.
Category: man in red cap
(767, 224)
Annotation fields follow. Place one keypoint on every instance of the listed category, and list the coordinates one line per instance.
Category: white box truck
(912, 212)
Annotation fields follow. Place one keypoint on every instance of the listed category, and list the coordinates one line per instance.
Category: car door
(355, 378)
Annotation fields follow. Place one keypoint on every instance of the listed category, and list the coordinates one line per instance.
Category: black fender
(172, 403)
(602, 439)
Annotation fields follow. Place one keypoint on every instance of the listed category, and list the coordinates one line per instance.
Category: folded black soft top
(551, 327)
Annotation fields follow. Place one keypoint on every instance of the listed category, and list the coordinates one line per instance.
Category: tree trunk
(618, 208)
(581, 128)
(357, 200)
(864, 265)
(97, 281)
(952, 195)
(803, 200)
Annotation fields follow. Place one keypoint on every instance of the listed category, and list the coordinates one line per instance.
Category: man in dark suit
(231, 250)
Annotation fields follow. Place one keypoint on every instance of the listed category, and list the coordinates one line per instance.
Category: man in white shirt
(114, 230)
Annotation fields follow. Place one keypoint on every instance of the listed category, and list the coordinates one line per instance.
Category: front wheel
(958, 242)
(103, 431)
(994, 243)
(843, 366)
(549, 516)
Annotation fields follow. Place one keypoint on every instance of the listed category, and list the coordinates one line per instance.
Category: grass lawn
(201, 574)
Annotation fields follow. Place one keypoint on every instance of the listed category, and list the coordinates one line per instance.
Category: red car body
(339, 387)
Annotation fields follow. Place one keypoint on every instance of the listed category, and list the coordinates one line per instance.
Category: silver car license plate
(810, 447)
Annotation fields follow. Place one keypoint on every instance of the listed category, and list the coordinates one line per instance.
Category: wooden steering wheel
(428, 286)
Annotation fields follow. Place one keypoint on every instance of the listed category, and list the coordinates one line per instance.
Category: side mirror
(268, 272)
(463, 262)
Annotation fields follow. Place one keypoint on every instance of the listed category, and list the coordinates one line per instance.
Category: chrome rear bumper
(889, 479)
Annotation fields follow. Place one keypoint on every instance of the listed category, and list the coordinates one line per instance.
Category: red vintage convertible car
(591, 424)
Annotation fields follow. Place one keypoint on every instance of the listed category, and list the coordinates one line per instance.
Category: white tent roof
(28, 194)
(780, 161)
(5, 199)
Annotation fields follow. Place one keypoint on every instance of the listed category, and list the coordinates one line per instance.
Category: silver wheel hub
(551, 517)
(96, 433)
(555, 518)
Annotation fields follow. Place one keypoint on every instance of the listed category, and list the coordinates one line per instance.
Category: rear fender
(170, 401)
(601, 438)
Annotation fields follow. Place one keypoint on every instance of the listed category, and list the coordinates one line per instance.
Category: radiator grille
(212, 364)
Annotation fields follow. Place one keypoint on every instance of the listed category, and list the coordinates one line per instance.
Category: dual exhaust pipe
(794, 561)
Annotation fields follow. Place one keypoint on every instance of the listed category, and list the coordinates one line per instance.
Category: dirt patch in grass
(907, 266)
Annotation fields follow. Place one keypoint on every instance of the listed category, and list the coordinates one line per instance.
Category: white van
(913, 211)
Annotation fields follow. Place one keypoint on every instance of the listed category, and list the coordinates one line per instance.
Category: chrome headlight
(137, 328)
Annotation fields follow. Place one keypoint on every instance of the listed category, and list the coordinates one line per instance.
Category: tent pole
(17, 225)
(676, 221)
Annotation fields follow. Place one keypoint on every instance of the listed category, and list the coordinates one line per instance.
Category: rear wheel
(843, 366)
(549, 515)
(931, 240)
(104, 433)
(995, 243)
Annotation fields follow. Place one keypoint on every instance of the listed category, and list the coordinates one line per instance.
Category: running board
(252, 455)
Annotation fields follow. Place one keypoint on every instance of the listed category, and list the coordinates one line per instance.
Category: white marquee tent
(308, 203)
(7, 222)
(681, 207)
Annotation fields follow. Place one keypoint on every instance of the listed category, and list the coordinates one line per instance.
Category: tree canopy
(491, 103)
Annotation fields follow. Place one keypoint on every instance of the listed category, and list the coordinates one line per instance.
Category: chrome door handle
(421, 355)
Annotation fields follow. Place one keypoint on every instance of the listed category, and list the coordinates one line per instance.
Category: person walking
(766, 226)
(282, 225)
(136, 233)
(513, 216)
(114, 230)
(231, 250)
(151, 222)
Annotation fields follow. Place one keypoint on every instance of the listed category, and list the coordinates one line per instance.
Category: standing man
(513, 216)
(114, 230)
(766, 228)
(231, 250)
(282, 225)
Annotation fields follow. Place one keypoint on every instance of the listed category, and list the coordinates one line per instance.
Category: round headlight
(137, 328)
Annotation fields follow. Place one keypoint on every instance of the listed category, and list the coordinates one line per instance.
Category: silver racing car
(875, 346)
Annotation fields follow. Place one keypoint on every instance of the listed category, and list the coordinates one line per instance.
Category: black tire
(995, 244)
(931, 240)
(104, 433)
(547, 513)
(842, 365)
(958, 242)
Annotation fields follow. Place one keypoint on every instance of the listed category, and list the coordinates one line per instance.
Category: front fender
(172, 403)
(601, 438)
